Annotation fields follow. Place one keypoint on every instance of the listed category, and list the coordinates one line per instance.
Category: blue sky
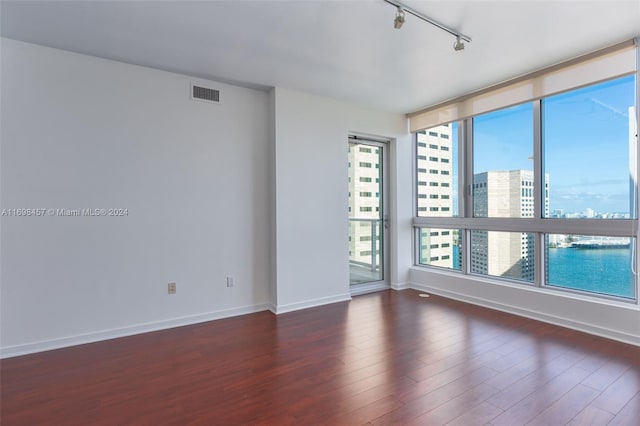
(586, 140)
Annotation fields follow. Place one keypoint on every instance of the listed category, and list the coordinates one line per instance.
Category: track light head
(458, 45)
(397, 23)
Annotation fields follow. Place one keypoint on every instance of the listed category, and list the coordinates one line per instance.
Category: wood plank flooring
(388, 358)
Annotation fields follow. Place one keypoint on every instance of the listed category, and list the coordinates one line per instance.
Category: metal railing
(375, 223)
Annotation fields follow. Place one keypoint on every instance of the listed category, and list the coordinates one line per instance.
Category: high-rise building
(506, 194)
(364, 205)
(435, 193)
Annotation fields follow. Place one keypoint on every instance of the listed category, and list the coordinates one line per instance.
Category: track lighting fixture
(399, 20)
(397, 23)
(458, 45)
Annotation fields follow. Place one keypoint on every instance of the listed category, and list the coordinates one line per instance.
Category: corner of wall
(272, 212)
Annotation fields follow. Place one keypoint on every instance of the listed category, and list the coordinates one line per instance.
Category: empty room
(356, 212)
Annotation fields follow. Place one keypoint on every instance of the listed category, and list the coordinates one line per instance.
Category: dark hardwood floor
(381, 359)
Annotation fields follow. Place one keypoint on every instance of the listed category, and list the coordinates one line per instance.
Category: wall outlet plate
(171, 288)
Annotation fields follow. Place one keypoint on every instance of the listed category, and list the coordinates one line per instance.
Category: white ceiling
(341, 49)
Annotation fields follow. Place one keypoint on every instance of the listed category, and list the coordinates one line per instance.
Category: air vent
(205, 94)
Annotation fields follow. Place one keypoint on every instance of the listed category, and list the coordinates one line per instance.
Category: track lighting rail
(459, 36)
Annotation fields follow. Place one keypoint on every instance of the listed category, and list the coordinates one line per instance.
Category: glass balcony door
(368, 221)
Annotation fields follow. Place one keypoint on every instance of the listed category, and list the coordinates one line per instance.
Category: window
(441, 248)
(591, 263)
(526, 186)
(503, 254)
(366, 165)
(365, 194)
(365, 209)
(365, 150)
(593, 121)
(443, 178)
(365, 179)
(508, 132)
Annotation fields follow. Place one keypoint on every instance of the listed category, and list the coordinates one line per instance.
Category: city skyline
(586, 135)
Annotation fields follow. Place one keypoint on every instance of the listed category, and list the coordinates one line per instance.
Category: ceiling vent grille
(205, 94)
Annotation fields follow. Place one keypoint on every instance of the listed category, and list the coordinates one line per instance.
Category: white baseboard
(29, 348)
(540, 316)
(290, 307)
(17, 350)
(400, 286)
(360, 289)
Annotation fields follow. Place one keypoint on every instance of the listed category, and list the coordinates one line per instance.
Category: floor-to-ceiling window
(437, 194)
(541, 193)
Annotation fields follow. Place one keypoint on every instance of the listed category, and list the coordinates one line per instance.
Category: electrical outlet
(172, 288)
(230, 282)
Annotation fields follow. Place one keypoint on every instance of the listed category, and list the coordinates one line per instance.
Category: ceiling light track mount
(399, 20)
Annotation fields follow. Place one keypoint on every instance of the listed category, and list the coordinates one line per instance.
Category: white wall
(402, 170)
(254, 188)
(82, 132)
(311, 134)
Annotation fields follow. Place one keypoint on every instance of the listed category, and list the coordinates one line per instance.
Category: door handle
(386, 221)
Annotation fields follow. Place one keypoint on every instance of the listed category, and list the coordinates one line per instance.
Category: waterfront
(606, 271)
